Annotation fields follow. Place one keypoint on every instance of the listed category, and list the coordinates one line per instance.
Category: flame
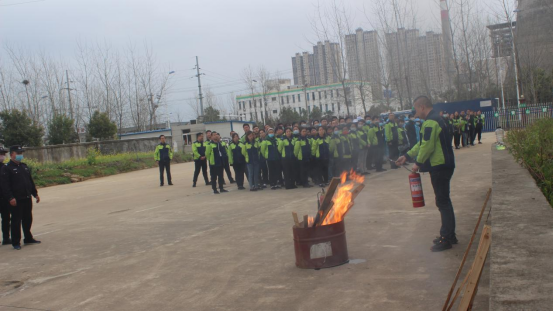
(342, 200)
(310, 221)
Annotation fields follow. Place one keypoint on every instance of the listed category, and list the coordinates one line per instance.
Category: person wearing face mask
(269, 151)
(216, 154)
(344, 151)
(334, 156)
(411, 131)
(355, 145)
(18, 188)
(381, 144)
(237, 160)
(464, 129)
(302, 151)
(320, 149)
(392, 139)
(286, 149)
(363, 148)
(4, 206)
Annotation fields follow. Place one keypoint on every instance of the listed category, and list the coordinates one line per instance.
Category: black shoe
(480, 143)
(274, 188)
(7, 241)
(17, 247)
(259, 188)
(241, 188)
(170, 184)
(307, 186)
(161, 185)
(442, 245)
(452, 241)
(456, 147)
(253, 189)
(223, 190)
(232, 181)
(215, 192)
(194, 185)
(33, 241)
(381, 170)
(208, 183)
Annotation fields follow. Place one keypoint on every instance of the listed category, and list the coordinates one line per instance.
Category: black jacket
(17, 182)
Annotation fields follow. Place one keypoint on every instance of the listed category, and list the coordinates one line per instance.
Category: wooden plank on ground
(477, 266)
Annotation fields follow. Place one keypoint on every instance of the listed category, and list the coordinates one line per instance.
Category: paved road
(123, 243)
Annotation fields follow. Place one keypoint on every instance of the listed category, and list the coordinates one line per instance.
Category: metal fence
(513, 118)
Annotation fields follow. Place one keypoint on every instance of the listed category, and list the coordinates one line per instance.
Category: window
(309, 109)
(251, 116)
(313, 95)
(295, 109)
(299, 98)
(273, 99)
(319, 94)
(287, 99)
(321, 107)
(307, 96)
(326, 108)
(337, 93)
(293, 99)
(331, 93)
(332, 107)
(275, 112)
(282, 100)
(325, 95)
(250, 104)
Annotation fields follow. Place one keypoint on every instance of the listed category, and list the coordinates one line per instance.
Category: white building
(328, 98)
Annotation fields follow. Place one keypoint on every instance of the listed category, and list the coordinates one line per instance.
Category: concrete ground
(124, 243)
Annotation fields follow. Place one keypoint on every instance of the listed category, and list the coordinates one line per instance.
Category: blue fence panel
(513, 118)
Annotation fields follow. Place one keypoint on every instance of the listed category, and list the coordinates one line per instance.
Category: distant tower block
(448, 47)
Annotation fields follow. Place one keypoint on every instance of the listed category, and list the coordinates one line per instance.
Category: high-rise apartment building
(363, 59)
(416, 63)
(324, 66)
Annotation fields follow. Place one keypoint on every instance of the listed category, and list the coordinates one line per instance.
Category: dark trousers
(264, 171)
(304, 172)
(280, 173)
(164, 165)
(393, 153)
(457, 139)
(354, 159)
(289, 166)
(273, 172)
(370, 155)
(22, 216)
(226, 166)
(239, 171)
(377, 156)
(345, 166)
(216, 175)
(297, 172)
(6, 219)
(200, 165)
(479, 133)
(322, 171)
(472, 135)
(440, 182)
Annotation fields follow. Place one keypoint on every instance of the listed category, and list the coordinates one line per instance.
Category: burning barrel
(321, 246)
(320, 242)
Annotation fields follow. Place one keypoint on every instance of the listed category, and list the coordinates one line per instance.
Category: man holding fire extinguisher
(434, 154)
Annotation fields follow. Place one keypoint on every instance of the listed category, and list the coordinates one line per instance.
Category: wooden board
(305, 221)
(476, 271)
(356, 191)
(326, 205)
(296, 220)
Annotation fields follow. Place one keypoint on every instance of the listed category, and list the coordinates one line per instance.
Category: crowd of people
(307, 153)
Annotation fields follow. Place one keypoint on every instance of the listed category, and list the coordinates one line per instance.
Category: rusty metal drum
(321, 246)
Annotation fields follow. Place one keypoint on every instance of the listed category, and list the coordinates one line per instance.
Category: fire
(342, 200)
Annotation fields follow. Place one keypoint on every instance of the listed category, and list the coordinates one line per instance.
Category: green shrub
(91, 155)
(533, 147)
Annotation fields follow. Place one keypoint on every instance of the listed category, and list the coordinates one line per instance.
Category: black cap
(3, 150)
(16, 148)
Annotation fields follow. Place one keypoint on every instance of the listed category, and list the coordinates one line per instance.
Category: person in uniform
(4, 206)
(392, 139)
(480, 121)
(216, 153)
(200, 162)
(18, 188)
(434, 154)
(163, 156)
(237, 160)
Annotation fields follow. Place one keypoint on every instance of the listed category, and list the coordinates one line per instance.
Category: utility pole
(199, 86)
(69, 94)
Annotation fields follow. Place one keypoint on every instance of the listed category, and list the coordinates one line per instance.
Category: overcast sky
(226, 35)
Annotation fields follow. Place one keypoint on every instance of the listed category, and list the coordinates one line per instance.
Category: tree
(61, 131)
(288, 115)
(18, 129)
(316, 114)
(101, 127)
(211, 114)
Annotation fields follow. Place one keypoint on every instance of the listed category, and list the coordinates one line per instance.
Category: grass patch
(533, 147)
(95, 165)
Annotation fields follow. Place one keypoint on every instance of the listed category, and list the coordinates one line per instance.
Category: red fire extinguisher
(416, 190)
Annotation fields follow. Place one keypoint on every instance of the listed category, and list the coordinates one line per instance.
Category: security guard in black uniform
(18, 188)
(4, 207)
